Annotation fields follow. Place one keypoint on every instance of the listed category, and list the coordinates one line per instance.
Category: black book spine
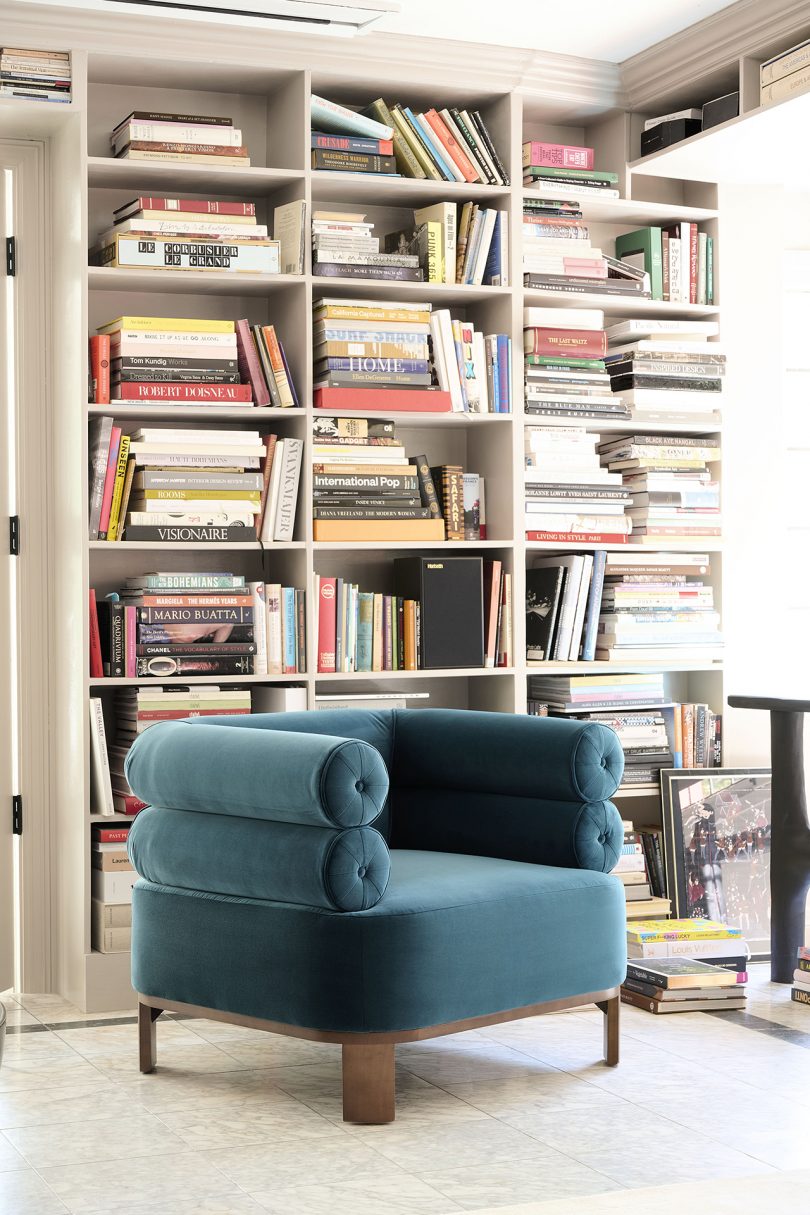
(489, 145)
(352, 162)
(345, 500)
(152, 362)
(220, 649)
(213, 616)
(427, 487)
(658, 862)
(163, 667)
(403, 274)
(199, 535)
(478, 160)
(148, 375)
(301, 625)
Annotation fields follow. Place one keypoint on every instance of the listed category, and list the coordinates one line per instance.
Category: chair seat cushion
(454, 937)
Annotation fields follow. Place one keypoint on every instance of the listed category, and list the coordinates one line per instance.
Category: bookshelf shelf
(615, 305)
(230, 413)
(442, 294)
(188, 282)
(627, 425)
(181, 680)
(618, 668)
(433, 673)
(149, 546)
(107, 173)
(471, 546)
(673, 546)
(450, 420)
(632, 211)
(371, 189)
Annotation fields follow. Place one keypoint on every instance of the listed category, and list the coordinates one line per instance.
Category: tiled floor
(517, 1119)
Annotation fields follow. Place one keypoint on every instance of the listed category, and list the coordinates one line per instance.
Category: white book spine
(206, 226)
(273, 631)
(271, 505)
(177, 132)
(258, 599)
(165, 254)
(101, 778)
(288, 489)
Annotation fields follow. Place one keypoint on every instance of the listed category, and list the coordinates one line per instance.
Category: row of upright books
(167, 485)
(243, 628)
(439, 615)
(446, 243)
(692, 965)
(640, 869)
(450, 144)
(35, 75)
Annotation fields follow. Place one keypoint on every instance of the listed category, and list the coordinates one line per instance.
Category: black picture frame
(717, 846)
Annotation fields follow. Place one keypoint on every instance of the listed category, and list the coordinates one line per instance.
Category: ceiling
(597, 31)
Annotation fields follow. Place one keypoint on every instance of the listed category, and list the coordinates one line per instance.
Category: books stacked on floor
(801, 976)
(392, 334)
(168, 360)
(362, 630)
(667, 371)
(444, 145)
(564, 372)
(187, 234)
(344, 246)
(786, 74)
(659, 611)
(112, 877)
(569, 496)
(565, 171)
(572, 695)
(669, 985)
(673, 494)
(35, 75)
(558, 254)
(193, 139)
(464, 243)
(679, 260)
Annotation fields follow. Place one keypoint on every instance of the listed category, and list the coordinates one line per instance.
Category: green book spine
(580, 174)
(649, 242)
(542, 360)
(407, 163)
(710, 270)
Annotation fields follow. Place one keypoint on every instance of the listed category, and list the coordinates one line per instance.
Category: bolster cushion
(315, 780)
(548, 757)
(336, 870)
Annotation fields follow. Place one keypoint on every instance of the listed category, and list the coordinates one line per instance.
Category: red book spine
(343, 143)
(203, 206)
(127, 803)
(327, 625)
(111, 835)
(576, 343)
(451, 146)
(96, 667)
(250, 368)
(228, 394)
(100, 368)
(693, 263)
(109, 481)
(130, 636)
(557, 156)
(578, 537)
(181, 714)
(388, 400)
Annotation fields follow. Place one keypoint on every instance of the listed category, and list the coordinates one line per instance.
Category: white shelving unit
(272, 108)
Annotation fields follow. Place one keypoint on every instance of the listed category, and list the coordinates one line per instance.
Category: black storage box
(721, 109)
(451, 593)
(667, 133)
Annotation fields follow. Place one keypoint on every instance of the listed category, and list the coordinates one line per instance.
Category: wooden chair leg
(610, 1008)
(368, 1083)
(147, 1036)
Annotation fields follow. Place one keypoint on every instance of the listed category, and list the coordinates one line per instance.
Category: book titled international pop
(155, 253)
(679, 930)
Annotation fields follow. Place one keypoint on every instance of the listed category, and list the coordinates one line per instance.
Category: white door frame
(31, 638)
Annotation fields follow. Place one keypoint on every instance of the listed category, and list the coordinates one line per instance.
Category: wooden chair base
(368, 1059)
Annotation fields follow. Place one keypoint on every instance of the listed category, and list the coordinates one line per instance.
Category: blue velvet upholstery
(501, 835)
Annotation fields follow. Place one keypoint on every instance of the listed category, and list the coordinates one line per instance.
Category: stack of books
(35, 75)
(572, 695)
(445, 145)
(679, 261)
(564, 371)
(669, 985)
(801, 976)
(185, 138)
(168, 360)
(111, 882)
(649, 615)
(394, 337)
(667, 371)
(564, 171)
(673, 494)
(344, 246)
(645, 742)
(354, 153)
(786, 74)
(569, 495)
(457, 244)
(182, 234)
(631, 867)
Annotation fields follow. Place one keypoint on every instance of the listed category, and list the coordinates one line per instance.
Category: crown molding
(590, 84)
(709, 46)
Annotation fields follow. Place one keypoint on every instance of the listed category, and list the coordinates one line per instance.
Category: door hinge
(14, 535)
(11, 256)
(16, 814)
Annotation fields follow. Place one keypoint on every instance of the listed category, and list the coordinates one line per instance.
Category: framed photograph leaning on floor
(717, 848)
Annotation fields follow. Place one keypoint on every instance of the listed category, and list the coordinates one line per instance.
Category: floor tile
(421, 1149)
(397, 1196)
(110, 1185)
(246, 1124)
(331, 1161)
(548, 1175)
(23, 1192)
(69, 1104)
(10, 1158)
(77, 1142)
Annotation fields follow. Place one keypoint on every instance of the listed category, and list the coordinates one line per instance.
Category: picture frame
(717, 845)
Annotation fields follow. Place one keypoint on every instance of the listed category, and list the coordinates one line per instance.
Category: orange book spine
(100, 369)
(451, 145)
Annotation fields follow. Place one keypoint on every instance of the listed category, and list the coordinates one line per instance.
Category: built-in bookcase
(272, 108)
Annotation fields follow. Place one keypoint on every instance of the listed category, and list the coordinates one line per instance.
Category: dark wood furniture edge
(368, 1058)
(774, 704)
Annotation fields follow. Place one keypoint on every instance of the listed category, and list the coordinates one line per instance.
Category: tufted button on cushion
(361, 872)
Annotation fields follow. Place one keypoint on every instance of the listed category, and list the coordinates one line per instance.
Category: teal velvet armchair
(368, 878)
